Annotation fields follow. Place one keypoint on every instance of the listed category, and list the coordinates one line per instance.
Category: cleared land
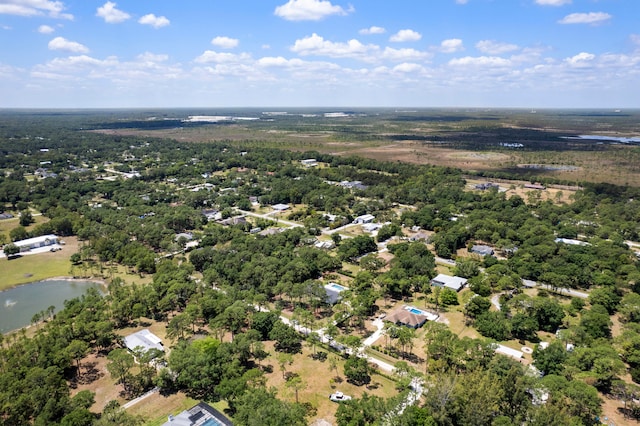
(473, 140)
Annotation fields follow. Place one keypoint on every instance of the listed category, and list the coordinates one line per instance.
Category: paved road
(274, 219)
(140, 398)
(563, 291)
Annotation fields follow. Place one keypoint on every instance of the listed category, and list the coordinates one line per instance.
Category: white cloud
(581, 59)
(462, 1)
(480, 61)
(34, 8)
(45, 29)
(585, 18)
(317, 45)
(405, 35)
(6, 27)
(451, 45)
(407, 67)
(552, 2)
(372, 30)
(61, 43)
(154, 21)
(210, 56)
(635, 39)
(110, 14)
(152, 58)
(403, 55)
(225, 42)
(309, 10)
(491, 47)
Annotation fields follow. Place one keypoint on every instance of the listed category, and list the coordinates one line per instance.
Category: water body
(632, 140)
(19, 304)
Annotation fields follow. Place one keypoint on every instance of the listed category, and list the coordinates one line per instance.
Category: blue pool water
(212, 422)
(415, 311)
(338, 287)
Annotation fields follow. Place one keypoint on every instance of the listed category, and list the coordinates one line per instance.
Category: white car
(339, 397)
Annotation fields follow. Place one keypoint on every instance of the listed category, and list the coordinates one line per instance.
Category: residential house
(333, 291)
(365, 218)
(447, 281)
(201, 414)
(482, 250)
(280, 207)
(486, 185)
(37, 242)
(143, 339)
(402, 316)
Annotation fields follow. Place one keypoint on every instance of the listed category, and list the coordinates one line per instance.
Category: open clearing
(617, 164)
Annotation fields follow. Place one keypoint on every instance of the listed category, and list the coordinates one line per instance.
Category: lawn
(35, 267)
(318, 384)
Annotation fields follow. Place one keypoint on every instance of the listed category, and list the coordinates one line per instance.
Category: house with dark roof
(201, 414)
(486, 185)
(482, 250)
(401, 316)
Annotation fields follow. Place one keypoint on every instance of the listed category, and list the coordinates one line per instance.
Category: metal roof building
(454, 283)
(143, 339)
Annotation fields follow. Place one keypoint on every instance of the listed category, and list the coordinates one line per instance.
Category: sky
(320, 53)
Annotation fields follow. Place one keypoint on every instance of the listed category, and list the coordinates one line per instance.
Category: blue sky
(359, 53)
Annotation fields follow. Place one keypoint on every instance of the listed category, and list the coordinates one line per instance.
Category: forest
(242, 309)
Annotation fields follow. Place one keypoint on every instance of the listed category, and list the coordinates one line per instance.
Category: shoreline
(103, 282)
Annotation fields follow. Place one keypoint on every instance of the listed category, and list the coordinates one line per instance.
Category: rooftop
(144, 339)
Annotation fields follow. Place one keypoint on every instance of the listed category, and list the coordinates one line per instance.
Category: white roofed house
(143, 340)
(365, 218)
(280, 207)
(454, 283)
(37, 242)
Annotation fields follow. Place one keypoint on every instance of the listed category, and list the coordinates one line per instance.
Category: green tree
(466, 268)
(477, 306)
(550, 360)
(120, 364)
(18, 233)
(630, 307)
(524, 327)
(357, 370)
(26, 218)
(596, 322)
(605, 296)
(449, 297)
(11, 250)
(287, 339)
(77, 349)
(261, 407)
(296, 383)
(494, 326)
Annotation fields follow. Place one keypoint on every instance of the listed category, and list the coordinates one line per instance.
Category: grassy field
(473, 140)
(318, 384)
(36, 267)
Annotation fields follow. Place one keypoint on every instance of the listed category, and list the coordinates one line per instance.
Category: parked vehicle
(339, 397)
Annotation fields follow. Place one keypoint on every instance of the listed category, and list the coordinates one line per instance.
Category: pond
(19, 304)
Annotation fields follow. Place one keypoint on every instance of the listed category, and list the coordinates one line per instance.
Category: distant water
(607, 138)
(19, 304)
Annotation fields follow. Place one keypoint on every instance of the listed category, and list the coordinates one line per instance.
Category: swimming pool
(430, 316)
(212, 422)
(337, 287)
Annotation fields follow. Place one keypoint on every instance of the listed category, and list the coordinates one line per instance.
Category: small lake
(19, 304)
